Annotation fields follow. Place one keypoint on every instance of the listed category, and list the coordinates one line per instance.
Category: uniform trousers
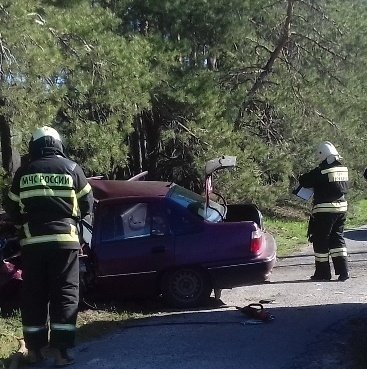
(327, 236)
(50, 296)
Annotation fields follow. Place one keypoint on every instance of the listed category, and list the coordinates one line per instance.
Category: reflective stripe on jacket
(330, 207)
(47, 197)
(330, 183)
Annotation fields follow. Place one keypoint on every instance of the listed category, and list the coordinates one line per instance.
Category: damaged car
(158, 238)
(150, 238)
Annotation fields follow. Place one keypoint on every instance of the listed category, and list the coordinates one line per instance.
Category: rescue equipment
(256, 311)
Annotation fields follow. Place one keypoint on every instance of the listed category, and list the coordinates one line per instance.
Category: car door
(134, 243)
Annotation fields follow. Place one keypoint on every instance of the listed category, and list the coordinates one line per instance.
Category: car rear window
(196, 204)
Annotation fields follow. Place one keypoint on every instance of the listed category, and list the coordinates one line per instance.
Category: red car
(151, 238)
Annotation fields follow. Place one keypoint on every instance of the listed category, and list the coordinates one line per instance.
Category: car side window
(181, 221)
(125, 222)
(160, 226)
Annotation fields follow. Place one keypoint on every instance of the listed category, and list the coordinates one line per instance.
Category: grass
(92, 323)
(357, 215)
(99, 321)
(290, 235)
(10, 332)
(289, 231)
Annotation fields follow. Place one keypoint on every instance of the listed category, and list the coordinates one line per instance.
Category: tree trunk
(9, 160)
(152, 127)
(266, 70)
(137, 147)
(144, 144)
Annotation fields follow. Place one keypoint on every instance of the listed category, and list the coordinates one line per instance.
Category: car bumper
(248, 272)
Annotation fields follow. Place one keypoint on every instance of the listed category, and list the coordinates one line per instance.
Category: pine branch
(318, 44)
(3, 9)
(190, 132)
(321, 115)
(318, 10)
(266, 70)
(5, 56)
(322, 68)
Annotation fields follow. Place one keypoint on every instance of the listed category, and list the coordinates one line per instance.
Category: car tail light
(257, 239)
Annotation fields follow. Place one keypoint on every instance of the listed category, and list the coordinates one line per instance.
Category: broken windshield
(196, 204)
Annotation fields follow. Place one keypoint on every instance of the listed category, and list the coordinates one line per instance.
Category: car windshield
(196, 204)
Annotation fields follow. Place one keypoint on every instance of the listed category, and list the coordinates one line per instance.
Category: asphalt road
(307, 332)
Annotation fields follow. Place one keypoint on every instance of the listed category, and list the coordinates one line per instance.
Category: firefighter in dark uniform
(329, 181)
(48, 196)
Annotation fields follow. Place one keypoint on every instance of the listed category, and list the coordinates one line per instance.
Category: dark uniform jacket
(47, 197)
(330, 184)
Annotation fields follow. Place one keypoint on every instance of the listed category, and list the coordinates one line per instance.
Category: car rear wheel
(186, 287)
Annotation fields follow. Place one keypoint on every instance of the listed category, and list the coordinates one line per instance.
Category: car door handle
(158, 249)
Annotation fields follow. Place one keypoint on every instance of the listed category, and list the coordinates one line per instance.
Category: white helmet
(45, 139)
(45, 131)
(326, 150)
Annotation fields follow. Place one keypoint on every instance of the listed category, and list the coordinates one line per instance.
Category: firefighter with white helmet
(48, 196)
(329, 181)
(327, 151)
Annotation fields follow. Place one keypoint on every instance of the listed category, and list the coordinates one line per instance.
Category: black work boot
(62, 358)
(341, 268)
(322, 272)
(33, 357)
(343, 277)
(320, 278)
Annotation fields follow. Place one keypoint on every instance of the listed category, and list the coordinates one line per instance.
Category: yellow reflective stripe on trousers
(47, 192)
(321, 257)
(87, 188)
(34, 328)
(341, 251)
(331, 207)
(13, 196)
(63, 327)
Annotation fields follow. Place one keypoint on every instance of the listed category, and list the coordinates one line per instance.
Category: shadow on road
(137, 305)
(222, 338)
(356, 234)
(143, 307)
(300, 281)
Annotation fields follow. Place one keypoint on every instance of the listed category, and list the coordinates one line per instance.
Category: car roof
(108, 189)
